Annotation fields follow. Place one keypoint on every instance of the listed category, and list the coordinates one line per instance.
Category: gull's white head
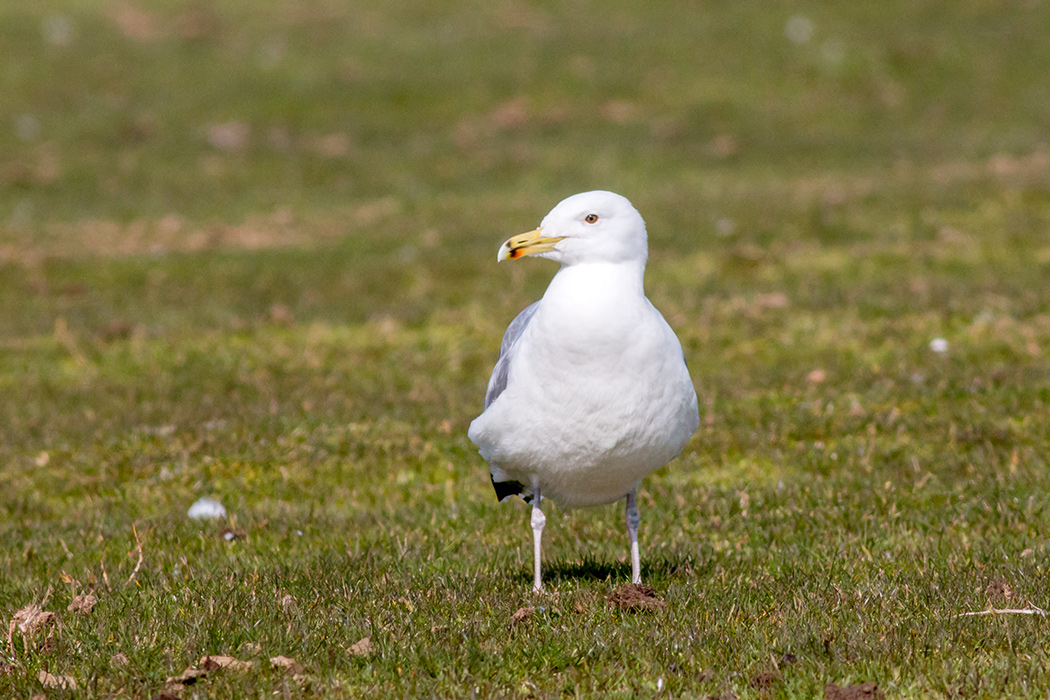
(594, 226)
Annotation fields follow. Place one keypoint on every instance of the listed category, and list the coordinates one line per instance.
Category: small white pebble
(22, 215)
(27, 127)
(939, 345)
(833, 51)
(799, 29)
(58, 30)
(659, 684)
(206, 509)
(228, 136)
(407, 254)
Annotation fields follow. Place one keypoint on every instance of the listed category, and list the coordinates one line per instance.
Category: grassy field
(247, 252)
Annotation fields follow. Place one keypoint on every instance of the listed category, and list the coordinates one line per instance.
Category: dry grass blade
(138, 549)
(1005, 611)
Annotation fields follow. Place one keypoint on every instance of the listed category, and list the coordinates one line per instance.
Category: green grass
(301, 325)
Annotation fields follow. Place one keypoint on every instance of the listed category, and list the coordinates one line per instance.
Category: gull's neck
(612, 280)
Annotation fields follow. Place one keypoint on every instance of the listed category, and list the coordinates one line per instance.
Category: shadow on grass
(664, 568)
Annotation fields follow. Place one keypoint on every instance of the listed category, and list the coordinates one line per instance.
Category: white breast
(598, 394)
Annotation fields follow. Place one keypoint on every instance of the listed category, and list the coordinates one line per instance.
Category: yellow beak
(526, 244)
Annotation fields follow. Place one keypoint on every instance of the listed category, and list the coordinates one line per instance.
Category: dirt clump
(636, 596)
(862, 691)
(83, 603)
(520, 615)
(765, 680)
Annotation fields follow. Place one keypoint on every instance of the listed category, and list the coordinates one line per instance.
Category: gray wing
(498, 380)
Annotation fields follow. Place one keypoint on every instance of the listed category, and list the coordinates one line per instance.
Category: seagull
(591, 391)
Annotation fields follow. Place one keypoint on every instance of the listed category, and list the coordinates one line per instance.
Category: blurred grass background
(247, 251)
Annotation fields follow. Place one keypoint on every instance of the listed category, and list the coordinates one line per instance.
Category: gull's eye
(591, 218)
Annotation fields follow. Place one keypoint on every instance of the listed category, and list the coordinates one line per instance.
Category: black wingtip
(506, 489)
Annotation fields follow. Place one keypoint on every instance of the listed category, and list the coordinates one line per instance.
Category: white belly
(589, 412)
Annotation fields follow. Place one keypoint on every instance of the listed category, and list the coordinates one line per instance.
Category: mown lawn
(247, 252)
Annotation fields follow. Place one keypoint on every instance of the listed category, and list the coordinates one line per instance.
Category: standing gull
(591, 391)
